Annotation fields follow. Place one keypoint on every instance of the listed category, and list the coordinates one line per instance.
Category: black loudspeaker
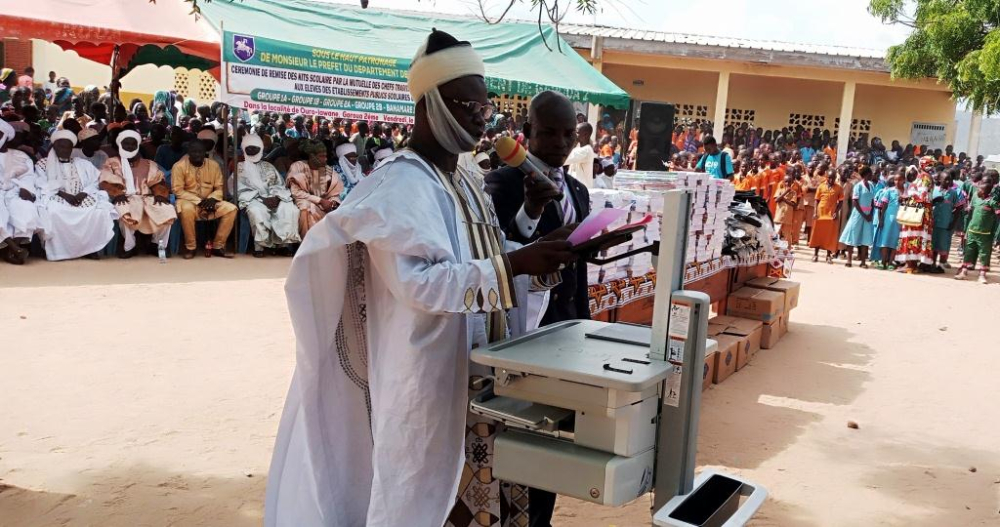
(656, 126)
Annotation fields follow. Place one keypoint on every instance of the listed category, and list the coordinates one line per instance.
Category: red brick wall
(17, 54)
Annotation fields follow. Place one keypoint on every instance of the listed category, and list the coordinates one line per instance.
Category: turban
(126, 155)
(383, 153)
(64, 134)
(346, 148)
(249, 166)
(482, 156)
(352, 171)
(85, 134)
(440, 60)
(252, 140)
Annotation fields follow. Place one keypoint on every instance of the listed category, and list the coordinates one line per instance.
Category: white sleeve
(580, 155)
(525, 225)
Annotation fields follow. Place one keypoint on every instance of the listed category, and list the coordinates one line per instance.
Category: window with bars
(207, 87)
(181, 82)
(736, 116)
(688, 114)
(859, 128)
(807, 120)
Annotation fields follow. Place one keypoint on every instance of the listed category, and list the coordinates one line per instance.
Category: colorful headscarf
(167, 99)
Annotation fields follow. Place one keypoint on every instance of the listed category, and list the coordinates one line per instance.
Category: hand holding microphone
(539, 189)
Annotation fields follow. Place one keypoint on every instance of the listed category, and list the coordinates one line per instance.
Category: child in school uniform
(946, 199)
(983, 209)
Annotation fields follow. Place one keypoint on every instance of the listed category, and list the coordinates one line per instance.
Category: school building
(770, 84)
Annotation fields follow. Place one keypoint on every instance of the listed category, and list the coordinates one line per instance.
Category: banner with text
(274, 76)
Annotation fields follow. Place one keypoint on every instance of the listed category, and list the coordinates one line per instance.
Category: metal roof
(703, 46)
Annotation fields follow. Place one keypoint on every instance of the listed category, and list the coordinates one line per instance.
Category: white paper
(673, 395)
(680, 320)
(675, 350)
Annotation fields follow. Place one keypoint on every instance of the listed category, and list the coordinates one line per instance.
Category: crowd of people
(899, 207)
(76, 162)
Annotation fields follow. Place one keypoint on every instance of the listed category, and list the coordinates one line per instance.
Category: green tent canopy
(517, 60)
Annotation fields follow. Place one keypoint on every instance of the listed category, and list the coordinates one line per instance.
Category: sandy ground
(137, 394)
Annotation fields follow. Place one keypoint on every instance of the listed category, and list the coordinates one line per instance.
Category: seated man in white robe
(387, 296)
(78, 218)
(139, 191)
(10, 251)
(19, 190)
(274, 218)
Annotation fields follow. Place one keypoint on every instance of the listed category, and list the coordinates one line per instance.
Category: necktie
(565, 204)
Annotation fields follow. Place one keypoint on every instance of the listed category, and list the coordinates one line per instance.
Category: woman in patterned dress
(915, 247)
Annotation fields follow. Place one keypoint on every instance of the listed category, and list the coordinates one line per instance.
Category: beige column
(846, 114)
(597, 61)
(721, 97)
(975, 125)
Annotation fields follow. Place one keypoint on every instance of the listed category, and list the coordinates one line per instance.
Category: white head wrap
(351, 171)
(250, 164)
(63, 134)
(6, 132)
(53, 167)
(482, 156)
(427, 72)
(382, 153)
(126, 155)
(346, 148)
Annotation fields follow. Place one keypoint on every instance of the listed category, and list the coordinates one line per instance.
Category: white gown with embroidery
(373, 430)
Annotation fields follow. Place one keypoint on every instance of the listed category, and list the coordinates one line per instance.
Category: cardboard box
(756, 304)
(749, 333)
(787, 287)
(725, 361)
(708, 373)
(771, 333)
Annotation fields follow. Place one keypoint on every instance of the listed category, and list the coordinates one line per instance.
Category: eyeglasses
(474, 107)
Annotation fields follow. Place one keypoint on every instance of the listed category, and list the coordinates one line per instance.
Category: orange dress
(826, 229)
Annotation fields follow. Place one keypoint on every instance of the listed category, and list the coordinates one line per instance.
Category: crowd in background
(845, 205)
(900, 206)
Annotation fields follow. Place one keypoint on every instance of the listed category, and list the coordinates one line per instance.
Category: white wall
(989, 133)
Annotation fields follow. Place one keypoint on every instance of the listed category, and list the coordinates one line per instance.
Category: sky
(824, 22)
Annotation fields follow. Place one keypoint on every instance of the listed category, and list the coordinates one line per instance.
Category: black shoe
(936, 270)
(258, 254)
(125, 255)
(93, 256)
(222, 253)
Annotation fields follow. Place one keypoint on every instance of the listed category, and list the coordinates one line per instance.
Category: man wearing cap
(274, 218)
(76, 214)
(89, 148)
(197, 183)
(209, 137)
(139, 192)
(387, 296)
(314, 184)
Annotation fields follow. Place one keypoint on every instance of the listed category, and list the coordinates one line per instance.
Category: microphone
(512, 153)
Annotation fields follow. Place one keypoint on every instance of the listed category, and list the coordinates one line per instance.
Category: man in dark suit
(528, 210)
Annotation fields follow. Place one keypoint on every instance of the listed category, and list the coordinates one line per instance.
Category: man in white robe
(20, 191)
(11, 249)
(77, 216)
(387, 296)
(274, 218)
